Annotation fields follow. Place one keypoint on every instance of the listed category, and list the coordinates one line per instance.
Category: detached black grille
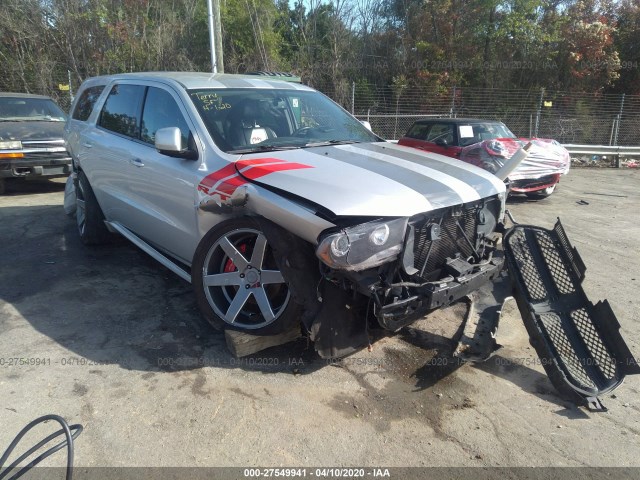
(430, 255)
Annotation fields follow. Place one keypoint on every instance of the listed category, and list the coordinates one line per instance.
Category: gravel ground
(121, 349)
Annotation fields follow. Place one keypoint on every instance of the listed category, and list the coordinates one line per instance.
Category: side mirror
(366, 124)
(169, 142)
(441, 142)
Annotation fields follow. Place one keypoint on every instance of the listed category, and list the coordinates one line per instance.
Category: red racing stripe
(210, 180)
(225, 181)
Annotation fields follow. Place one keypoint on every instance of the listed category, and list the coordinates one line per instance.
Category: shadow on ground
(115, 305)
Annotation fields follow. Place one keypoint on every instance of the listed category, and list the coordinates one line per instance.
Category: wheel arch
(254, 201)
(293, 256)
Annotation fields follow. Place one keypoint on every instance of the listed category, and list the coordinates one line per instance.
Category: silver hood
(371, 179)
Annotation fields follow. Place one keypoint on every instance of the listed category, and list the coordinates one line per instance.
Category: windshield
(20, 109)
(253, 120)
(474, 133)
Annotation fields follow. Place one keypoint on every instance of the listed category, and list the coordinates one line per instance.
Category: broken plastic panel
(579, 343)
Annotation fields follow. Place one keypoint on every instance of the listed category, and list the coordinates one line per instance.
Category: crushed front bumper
(434, 295)
(533, 185)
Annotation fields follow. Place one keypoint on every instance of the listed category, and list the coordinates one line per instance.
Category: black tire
(229, 275)
(89, 216)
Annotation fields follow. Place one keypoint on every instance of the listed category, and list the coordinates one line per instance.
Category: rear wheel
(89, 217)
(544, 193)
(238, 283)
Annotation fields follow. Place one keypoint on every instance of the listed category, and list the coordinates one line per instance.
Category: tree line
(576, 45)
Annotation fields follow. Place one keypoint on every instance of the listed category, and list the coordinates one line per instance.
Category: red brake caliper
(230, 266)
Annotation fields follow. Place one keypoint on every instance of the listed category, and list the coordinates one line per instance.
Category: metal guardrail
(614, 151)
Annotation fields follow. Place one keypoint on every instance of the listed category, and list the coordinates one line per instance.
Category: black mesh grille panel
(594, 343)
(527, 266)
(433, 253)
(565, 350)
(554, 262)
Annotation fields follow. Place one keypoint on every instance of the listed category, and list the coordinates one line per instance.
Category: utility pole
(218, 34)
(215, 35)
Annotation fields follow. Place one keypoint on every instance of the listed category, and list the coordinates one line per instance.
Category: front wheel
(238, 283)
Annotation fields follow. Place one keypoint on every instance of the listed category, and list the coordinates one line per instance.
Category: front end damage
(421, 263)
(446, 255)
(391, 271)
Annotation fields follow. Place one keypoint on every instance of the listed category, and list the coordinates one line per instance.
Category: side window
(86, 102)
(418, 131)
(441, 131)
(121, 110)
(161, 111)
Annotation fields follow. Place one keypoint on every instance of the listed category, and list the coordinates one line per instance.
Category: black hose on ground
(68, 442)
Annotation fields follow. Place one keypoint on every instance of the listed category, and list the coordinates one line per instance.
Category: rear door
(107, 151)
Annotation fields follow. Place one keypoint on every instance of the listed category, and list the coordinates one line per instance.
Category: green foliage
(582, 45)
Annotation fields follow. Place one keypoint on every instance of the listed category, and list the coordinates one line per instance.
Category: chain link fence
(576, 118)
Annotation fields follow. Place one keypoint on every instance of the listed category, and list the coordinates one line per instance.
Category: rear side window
(418, 131)
(86, 102)
(440, 131)
(121, 111)
(161, 111)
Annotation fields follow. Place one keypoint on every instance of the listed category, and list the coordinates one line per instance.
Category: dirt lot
(123, 351)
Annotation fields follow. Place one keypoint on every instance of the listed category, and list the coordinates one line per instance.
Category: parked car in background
(488, 144)
(31, 143)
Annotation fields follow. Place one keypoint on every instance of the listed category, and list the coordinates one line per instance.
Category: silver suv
(278, 205)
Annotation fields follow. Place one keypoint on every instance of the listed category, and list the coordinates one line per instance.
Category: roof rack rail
(284, 76)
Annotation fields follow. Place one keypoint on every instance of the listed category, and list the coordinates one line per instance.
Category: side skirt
(148, 249)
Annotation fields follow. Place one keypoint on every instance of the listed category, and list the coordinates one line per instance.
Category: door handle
(136, 162)
(87, 144)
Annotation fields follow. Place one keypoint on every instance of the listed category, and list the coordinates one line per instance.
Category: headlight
(363, 246)
(12, 145)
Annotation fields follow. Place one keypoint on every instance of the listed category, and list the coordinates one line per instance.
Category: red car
(488, 144)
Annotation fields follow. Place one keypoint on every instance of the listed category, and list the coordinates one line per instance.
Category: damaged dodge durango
(279, 206)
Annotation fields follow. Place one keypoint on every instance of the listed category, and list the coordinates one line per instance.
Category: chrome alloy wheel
(242, 282)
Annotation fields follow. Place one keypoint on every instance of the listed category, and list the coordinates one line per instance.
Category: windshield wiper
(263, 148)
(331, 142)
